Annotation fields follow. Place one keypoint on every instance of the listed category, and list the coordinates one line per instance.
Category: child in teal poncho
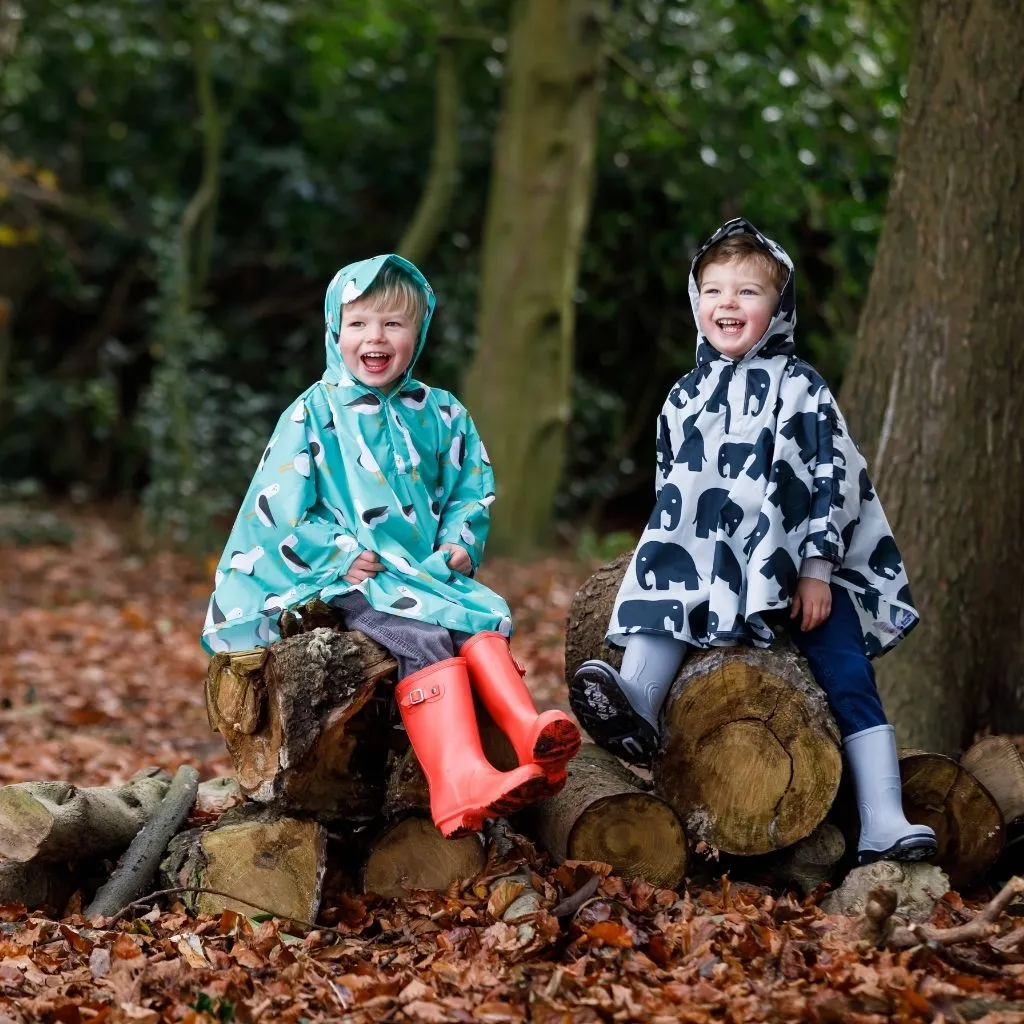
(374, 495)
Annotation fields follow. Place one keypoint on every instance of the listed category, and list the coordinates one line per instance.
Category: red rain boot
(549, 739)
(436, 705)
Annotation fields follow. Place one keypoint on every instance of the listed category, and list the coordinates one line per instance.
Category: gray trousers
(414, 644)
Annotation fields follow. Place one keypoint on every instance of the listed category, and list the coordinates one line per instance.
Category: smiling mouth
(729, 326)
(376, 362)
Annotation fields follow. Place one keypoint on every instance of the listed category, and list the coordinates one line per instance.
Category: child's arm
(468, 481)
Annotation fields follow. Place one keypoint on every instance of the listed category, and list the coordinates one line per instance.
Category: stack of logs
(749, 769)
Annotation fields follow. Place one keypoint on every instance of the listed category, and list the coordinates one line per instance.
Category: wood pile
(748, 779)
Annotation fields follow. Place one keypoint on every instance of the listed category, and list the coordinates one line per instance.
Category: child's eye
(395, 323)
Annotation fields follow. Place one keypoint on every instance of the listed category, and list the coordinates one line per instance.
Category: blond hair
(743, 247)
(393, 288)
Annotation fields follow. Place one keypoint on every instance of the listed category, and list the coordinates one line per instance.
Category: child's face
(376, 345)
(737, 301)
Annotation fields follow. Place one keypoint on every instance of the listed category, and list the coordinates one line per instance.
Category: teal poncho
(351, 468)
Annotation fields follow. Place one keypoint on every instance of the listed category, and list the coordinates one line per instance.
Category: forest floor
(101, 674)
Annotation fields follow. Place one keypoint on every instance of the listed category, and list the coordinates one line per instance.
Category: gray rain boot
(885, 834)
(620, 709)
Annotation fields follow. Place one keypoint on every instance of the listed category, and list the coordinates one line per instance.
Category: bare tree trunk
(432, 209)
(933, 393)
(518, 386)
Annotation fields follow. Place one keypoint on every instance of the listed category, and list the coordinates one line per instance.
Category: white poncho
(756, 472)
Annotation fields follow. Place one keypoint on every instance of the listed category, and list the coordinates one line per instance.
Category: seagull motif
(364, 404)
(266, 451)
(414, 398)
(365, 459)
(245, 561)
(298, 414)
(263, 512)
(409, 513)
(467, 534)
(287, 551)
(408, 602)
(457, 453)
(316, 449)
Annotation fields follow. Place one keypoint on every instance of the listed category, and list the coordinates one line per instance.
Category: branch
(980, 927)
(644, 81)
(174, 890)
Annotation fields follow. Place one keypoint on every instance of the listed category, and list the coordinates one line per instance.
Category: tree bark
(933, 392)
(57, 821)
(139, 863)
(518, 386)
(305, 723)
(603, 814)
(46, 887)
(443, 176)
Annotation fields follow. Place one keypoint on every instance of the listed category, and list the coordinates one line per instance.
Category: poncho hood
(347, 285)
(778, 337)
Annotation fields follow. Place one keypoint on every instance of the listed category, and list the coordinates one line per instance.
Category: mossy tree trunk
(518, 387)
(934, 394)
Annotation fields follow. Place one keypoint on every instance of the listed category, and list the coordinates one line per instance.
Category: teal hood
(347, 285)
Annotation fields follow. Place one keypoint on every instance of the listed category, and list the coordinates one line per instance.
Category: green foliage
(786, 112)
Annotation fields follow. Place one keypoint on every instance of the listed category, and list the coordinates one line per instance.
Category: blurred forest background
(311, 127)
(179, 182)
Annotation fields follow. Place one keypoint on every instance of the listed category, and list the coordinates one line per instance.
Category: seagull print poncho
(756, 471)
(351, 468)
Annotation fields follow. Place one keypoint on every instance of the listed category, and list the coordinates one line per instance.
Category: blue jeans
(835, 652)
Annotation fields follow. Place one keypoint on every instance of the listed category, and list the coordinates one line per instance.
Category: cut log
(812, 861)
(135, 871)
(412, 854)
(968, 823)
(46, 887)
(215, 796)
(277, 863)
(604, 814)
(996, 763)
(409, 852)
(57, 821)
(305, 722)
(750, 756)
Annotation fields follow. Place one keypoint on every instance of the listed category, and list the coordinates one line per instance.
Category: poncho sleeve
(288, 541)
(468, 482)
(840, 473)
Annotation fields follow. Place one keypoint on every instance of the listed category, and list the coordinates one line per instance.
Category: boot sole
(602, 708)
(912, 849)
(558, 743)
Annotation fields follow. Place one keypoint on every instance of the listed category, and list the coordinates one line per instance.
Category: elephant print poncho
(756, 471)
(348, 468)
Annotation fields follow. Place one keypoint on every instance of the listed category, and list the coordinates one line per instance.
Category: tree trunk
(518, 386)
(750, 753)
(305, 722)
(278, 863)
(996, 763)
(933, 393)
(56, 821)
(604, 815)
(443, 175)
(45, 887)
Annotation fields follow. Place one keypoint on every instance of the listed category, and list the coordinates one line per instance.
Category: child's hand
(812, 603)
(365, 566)
(459, 559)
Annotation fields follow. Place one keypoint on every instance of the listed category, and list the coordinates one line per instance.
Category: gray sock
(649, 666)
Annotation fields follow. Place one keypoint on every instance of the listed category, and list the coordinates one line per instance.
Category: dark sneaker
(917, 846)
(598, 702)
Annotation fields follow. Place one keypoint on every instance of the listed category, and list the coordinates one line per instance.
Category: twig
(644, 81)
(176, 889)
(572, 903)
(980, 926)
